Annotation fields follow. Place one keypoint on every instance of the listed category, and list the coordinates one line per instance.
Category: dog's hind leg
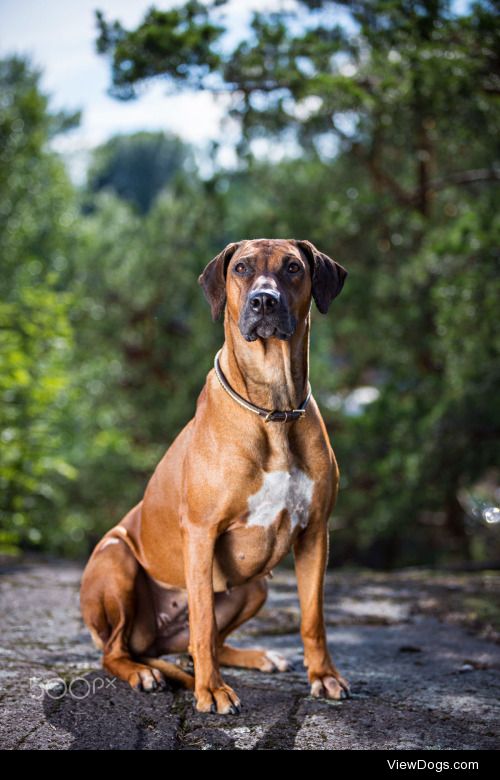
(120, 616)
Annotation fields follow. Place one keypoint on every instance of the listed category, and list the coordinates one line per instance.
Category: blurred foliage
(179, 39)
(138, 167)
(389, 115)
(37, 217)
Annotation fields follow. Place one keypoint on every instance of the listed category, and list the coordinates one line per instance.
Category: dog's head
(267, 285)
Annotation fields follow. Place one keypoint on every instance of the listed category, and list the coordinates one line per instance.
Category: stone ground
(419, 648)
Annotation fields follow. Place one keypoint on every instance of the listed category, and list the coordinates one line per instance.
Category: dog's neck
(270, 373)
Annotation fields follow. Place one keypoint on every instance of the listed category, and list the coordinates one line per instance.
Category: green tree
(403, 87)
(137, 167)
(142, 344)
(37, 212)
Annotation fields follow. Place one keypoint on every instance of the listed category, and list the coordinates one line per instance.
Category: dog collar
(269, 415)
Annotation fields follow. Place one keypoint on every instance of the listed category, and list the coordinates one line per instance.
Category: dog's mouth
(267, 328)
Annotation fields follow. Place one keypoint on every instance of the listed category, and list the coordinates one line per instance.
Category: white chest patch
(281, 490)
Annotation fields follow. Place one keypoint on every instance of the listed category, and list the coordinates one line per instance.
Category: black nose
(263, 302)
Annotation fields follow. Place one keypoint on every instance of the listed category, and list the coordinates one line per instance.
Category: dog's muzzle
(266, 315)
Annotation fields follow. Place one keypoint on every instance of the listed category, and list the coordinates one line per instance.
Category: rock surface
(420, 650)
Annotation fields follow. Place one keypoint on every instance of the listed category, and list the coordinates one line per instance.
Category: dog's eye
(293, 268)
(240, 268)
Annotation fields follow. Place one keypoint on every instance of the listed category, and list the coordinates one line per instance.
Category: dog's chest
(291, 490)
(267, 523)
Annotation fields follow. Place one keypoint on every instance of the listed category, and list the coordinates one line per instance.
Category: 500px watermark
(433, 766)
(78, 688)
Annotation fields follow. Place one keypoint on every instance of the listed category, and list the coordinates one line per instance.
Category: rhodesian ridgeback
(251, 476)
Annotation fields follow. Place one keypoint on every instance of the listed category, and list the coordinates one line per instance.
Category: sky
(59, 36)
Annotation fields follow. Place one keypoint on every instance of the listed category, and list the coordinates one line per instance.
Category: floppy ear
(213, 279)
(327, 276)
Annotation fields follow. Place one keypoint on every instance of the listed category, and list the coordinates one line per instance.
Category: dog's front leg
(311, 554)
(211, 693)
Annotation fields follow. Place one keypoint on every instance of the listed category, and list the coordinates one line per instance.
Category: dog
(251, 476)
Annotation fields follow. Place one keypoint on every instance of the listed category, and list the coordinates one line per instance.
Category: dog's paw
(147, 680)
(330, 686)
(275, 662)
(222, 700)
